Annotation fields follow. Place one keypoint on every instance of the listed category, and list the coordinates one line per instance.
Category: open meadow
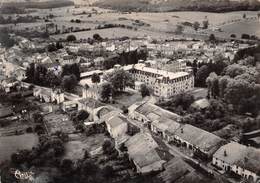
(157, 25)
(11, 144)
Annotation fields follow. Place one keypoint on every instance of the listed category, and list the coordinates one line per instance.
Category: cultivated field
(161, 25)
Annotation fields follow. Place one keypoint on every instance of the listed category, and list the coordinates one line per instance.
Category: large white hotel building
(164, 83)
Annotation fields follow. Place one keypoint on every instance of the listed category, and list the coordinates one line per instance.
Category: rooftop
(204, 140)
(90, 73)
(176, 169)
(240, 155)
(116, 120)
(142, 148)
(154, 112)
(170, 75)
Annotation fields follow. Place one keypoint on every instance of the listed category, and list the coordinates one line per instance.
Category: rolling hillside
(179, 5)
(41, 4)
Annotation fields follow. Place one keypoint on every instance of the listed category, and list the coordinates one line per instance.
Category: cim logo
(23, 175)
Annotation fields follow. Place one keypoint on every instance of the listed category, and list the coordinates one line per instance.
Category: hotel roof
(170, 75)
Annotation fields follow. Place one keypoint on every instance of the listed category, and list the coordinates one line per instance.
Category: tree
(78, 21)
(97, 37)
(52, 80)
(40, 75)
(69, 82)
(95, 78)
(245, 36)
(30, 73)
(237, 90)
(223, 82)
(213, 85)
(108, 172)
(144, 90)
(66, 165)
(71, 38)
(106, 92)
(6, 40)
(70, 69)
(196, 26)
(51, 47)
(202, 75)
(20, 157)
(120, 79)
(82, 115)
(179, 29)
(212, 38)
(37, 117)
(184, 100)
(234, 70)
(107, 147)
(205, 24)
(233, 35)
(216, 109)
(87, 169)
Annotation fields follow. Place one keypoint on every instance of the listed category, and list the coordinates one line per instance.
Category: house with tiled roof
(116, 125)
(143, 151)
(199, 141)
(160, 121)
(178, 171)
(239, 159)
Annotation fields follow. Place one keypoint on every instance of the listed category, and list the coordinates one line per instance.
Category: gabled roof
(204, 140)
(167, 125)
(116, 121)
(240, 155)
(154, 112)
(176, 169)
(142, 148)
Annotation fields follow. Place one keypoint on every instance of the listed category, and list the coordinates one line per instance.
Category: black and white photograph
(129, 91)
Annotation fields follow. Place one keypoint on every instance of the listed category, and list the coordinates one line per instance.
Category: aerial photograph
(129, 91)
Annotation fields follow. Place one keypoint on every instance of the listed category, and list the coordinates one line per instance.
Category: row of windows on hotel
(144, 75)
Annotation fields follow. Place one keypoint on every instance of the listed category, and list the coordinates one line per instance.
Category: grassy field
(10, 144)
(127, 98)
(162, 25)
(75, 149)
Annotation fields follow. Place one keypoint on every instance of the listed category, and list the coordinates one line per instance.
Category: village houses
(239, 159)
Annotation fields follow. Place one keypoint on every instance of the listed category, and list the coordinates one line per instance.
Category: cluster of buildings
(147, 156)
(163, 83)
(166, 76)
